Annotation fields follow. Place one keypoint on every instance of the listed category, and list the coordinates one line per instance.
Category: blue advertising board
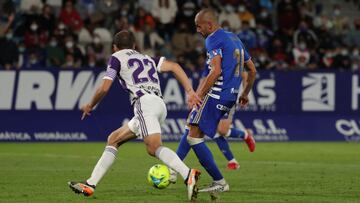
(43, 105)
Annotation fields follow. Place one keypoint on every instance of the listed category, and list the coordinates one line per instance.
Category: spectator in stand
(279, 55)
(55, 55)
(182, 40)
(61, 31)
(8, 52)
(352, 37)
(34, 59)
(108, 9)
(164, 11)
(70, 17)
(96, 49)
(246, 16)
(338, 20)
(287, 14)
(70, 62)
(7, 17)
(302, 57)
(264, 36)
(47, 20)
(247, 36)
(149, 40)
(355, 59)
(35, 37)
(30, 6)
(143, 18)
(265, 18)
(263, 61)
(187, 14)
(342, 59)
(327, 59)
(228, 14)
(213, 4)
(72, 49)
(305, 34)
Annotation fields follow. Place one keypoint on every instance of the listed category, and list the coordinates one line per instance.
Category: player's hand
(86, 109)
(193, 100)
(243, 101)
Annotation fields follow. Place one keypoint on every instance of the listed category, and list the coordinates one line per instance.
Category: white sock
(221, 182)
(233, 160)
(103, 165)
(171, 159)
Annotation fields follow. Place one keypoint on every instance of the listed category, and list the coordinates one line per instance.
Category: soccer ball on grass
(158, 176)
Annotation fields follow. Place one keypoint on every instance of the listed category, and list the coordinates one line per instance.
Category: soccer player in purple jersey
(138, 75)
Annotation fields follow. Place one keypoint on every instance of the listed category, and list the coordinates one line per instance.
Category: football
(158, 176)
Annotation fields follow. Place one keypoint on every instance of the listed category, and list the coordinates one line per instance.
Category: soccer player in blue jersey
(219, 91)
(225, 130)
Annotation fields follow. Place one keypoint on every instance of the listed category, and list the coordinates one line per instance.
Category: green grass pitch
(275, 172)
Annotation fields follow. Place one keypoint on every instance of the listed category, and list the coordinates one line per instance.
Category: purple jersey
(136, 72)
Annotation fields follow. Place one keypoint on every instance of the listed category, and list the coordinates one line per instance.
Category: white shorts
(149, 113)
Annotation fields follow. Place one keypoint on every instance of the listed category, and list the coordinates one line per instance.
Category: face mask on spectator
(199, 49)
(61, 26)
(69, 44)
(22, 49)
(241, 9)
(355, 52)
(53, 43)
(344, 52)
(34, 27)
(337, 12)
(96, 40)
(229, 8)
(262, 58)
(227, 28)
(69, 63)
(33, 61)
(264, 14)
(108, 3)
(188, 12)
(92, 64)
(302, 46)
(9, 35)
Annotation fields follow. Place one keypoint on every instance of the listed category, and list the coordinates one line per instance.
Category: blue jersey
(233, 56)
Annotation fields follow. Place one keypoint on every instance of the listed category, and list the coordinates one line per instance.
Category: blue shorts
(207, 117)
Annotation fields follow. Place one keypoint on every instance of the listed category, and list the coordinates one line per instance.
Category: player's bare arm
(98, 96)
(251, 74)
(210, 80)
(175, 68)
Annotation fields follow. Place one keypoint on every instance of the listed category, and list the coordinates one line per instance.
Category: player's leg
(151, 114)
(184, 147)
(116, 138)
(223, 128)
(206, 159)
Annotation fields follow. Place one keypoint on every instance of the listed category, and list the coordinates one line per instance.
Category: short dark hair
(124, 39)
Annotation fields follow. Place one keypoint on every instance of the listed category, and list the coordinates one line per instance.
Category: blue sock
(237, 133)
(184, 147)
(207, 160)
(224, 147)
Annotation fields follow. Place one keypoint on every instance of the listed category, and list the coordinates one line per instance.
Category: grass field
(276, 172)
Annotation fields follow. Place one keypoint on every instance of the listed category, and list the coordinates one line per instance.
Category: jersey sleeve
(214, 46)
(113, 68)
(158, 62)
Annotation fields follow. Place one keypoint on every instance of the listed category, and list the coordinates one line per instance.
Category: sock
(171, 159)
(224, 147)
(184, 147)
(103, 165)
(205, 157)
(236, 133)
(221, 182)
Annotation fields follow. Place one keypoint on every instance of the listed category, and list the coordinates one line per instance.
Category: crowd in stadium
(279, 34)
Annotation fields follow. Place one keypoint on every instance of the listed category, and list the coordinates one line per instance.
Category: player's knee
(194, 141)
(222, 130)
(151, 149)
